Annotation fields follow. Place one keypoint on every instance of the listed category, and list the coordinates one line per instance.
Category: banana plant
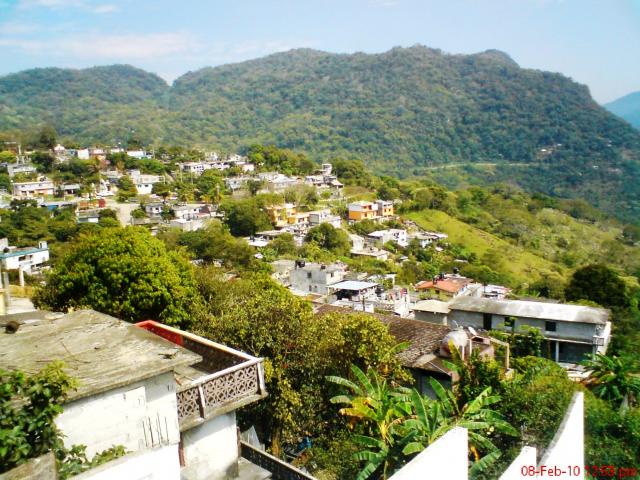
(380, 408)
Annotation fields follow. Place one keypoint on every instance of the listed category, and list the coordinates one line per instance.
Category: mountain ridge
(404, 112)
(627, 107)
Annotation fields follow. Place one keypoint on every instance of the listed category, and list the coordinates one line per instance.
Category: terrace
(224, 380)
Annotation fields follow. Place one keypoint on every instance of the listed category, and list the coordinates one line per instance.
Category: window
(486, 321)
(550, 326)
(308, 274)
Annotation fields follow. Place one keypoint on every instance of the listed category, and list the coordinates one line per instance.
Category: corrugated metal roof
(527, 309)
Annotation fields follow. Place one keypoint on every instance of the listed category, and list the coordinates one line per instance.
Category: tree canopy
(124, 272)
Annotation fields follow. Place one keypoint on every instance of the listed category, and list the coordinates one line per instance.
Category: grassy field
(517, 262)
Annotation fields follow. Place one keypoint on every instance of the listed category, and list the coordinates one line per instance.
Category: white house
(324, 216)
(25, 259)
(41, 188)
(82, 154)
(315, 277)
(144, 182)
(380, 237)
(15, 168)
(169, 397)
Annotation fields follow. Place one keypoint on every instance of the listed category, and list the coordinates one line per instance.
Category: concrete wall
(568, 330)
(211, 449)
(526, 459)
(567, 447)
(431, 317)
(158, 464)
(138, 416)
(445, 458)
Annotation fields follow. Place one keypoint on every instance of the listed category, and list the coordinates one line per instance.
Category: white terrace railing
(230, 378)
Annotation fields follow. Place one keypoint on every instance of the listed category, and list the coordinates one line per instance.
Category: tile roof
(423, 338)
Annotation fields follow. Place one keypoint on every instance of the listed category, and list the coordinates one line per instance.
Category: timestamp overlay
(578, 471)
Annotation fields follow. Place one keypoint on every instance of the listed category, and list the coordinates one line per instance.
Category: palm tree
(611, 378)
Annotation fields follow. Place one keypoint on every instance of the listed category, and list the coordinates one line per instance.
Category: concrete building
(169, 397)
(14, 168)
(380, 237)
(427, 238)
(143, 182)
(324, 216)
(378, 210)
(571, 331)
(41, 188)
(432, 311)
(445, 286)
(26, 259)
(315, 277)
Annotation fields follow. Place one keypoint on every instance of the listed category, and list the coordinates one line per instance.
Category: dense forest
(464, 119)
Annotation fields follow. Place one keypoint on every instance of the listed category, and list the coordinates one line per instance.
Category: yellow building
(370, 210)
(280, 214)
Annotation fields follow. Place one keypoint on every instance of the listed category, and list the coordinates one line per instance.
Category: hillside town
(325, 242)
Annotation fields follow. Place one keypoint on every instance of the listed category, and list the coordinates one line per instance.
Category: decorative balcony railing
(280, 470)
(224, 380)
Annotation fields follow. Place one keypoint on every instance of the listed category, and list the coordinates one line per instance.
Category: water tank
(458, 338)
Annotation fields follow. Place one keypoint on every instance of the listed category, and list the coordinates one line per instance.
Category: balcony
(224, 380)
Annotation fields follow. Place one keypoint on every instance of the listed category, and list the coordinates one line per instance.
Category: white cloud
(109, 47)
(86, 5)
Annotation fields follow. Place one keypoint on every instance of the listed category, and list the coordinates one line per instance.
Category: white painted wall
(526, 459)
(445, 458)
(211, 449)
(567, 447)
(139, 416)
(158, 464)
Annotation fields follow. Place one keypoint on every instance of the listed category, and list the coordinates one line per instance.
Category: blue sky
(594, 42)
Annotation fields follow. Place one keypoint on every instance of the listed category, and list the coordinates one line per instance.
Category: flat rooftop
(100, 351)
(353, 285)
(527, 309)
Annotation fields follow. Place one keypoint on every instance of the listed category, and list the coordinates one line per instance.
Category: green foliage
(28, 407)
(43, 161)
(397, 422)
(271, 158)
(599, 284)
(465, 119)
(126, 189)
(124, 272)
(613, 379)
(7, 157)
(610, 437)
(244, 217)
(524, 343)
(256, 315)
(284, 244)
(215, 243)
(475, 374)
(327, 237)
(74, 460)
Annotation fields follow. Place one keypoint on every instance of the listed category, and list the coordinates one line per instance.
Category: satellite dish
(473, 331)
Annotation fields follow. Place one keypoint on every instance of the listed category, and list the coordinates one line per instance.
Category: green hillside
(627, 107)
(408, 111)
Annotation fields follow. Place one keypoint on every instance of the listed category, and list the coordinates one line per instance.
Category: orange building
(370, 210)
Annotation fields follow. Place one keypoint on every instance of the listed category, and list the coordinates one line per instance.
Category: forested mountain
(410, 111)
(627, 107)
(95, 104)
